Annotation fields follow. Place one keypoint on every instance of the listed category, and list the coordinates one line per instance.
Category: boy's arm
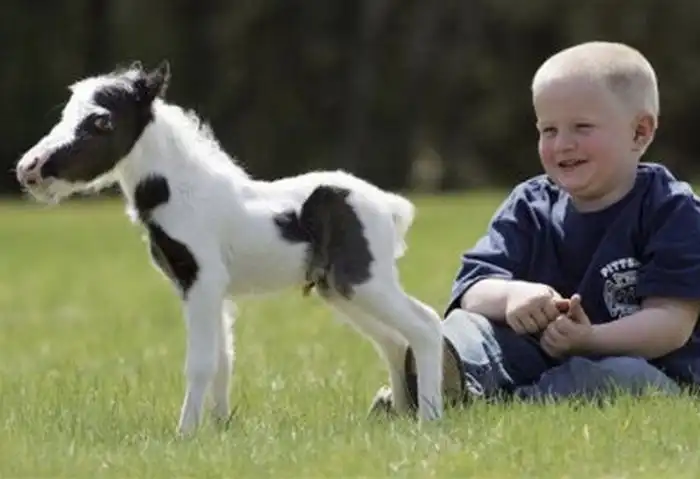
(489, 297)
(487, 271)
(662, 326)
(668, 281)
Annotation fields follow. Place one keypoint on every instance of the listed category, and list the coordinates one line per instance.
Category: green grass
(91, 350)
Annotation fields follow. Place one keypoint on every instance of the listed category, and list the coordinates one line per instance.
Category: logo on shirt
(620, 287)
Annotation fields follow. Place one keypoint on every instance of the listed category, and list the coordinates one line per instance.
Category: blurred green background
(423, 95)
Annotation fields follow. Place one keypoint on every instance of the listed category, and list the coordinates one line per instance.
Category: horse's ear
(158, 79)
(136, 65)
(154, 83)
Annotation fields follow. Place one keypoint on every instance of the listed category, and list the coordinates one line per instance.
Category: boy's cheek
(546, 152)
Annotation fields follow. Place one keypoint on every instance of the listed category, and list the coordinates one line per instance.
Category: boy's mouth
(571, 164)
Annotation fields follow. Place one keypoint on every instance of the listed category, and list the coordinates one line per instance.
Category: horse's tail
(403, 212)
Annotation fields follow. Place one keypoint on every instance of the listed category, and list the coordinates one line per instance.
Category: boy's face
(586, 140)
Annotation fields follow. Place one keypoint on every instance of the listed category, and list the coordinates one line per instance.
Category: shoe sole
(453, 387)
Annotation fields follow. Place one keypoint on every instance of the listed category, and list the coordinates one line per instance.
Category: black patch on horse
(150, 193)
(173, 257)
(290, 227)
(339, 256)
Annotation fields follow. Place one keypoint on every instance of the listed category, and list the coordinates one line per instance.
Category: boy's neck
(607, 199)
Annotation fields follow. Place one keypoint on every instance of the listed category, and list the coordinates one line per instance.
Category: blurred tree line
(429, 94)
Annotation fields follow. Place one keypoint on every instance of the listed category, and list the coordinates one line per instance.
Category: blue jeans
(497, 362)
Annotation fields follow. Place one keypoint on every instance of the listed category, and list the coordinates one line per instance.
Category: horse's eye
(103, 124)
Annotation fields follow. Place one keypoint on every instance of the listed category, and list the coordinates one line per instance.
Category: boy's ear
(644, 129)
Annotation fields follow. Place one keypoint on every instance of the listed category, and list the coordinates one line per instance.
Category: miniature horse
(215, 232)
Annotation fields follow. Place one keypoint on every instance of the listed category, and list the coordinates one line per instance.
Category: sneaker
(454, 389)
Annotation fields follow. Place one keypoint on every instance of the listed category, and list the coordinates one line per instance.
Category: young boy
(589, 275)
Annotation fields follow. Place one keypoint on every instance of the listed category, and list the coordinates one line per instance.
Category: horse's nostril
(30, 174)
(33, 164)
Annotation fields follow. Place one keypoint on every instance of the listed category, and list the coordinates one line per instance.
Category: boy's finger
(540, 318)
(515, 324)
(550, 344)
(551, 311)
(576, 311)
(575, 306)
(562, 305)
(547, 347)
(555, 295)
(563, 326)
(529, 323)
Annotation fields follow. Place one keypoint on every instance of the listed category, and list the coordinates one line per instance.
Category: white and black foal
(216, 232)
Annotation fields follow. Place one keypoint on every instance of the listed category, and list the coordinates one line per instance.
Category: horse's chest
(173, 257)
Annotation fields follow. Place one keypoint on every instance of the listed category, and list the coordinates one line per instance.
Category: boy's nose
(564, 142)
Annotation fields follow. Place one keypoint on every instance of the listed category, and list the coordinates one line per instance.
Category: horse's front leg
(224, 370)
(203, 305)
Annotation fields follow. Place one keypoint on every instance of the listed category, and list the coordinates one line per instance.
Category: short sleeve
(671, 256)
(502, 252)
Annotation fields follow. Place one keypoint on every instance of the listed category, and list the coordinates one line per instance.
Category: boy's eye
(548, 131)
(583, 126)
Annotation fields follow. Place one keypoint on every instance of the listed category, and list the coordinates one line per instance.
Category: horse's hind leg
(383, 298)
(388, 342)
(353, 248)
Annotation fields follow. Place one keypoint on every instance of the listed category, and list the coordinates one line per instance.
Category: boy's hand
(569, 333)
(531, 307)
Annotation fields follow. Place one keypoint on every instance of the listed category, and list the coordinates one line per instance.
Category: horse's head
(102, 120)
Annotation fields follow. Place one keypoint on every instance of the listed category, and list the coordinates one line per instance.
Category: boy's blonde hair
(623, 69)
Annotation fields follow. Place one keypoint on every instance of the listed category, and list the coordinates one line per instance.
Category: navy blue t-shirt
(647, 244)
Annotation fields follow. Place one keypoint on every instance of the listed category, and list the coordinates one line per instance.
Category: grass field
(91, 351)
